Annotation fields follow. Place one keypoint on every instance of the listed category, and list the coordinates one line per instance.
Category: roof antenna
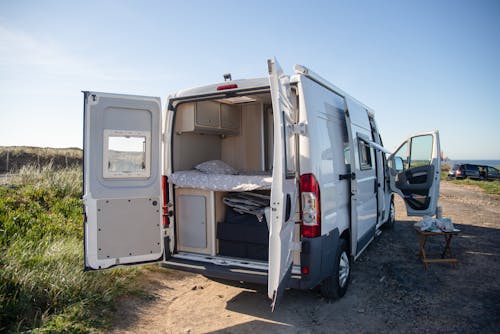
(227, 77)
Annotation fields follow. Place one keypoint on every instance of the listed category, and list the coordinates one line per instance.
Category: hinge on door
(298, 129)
(93, 99)
(350, 176)
(270, 66)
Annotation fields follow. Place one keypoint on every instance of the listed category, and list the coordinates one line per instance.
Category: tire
(389, 223)
(335, 286)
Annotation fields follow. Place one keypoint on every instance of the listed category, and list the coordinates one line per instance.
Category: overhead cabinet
(209, 117)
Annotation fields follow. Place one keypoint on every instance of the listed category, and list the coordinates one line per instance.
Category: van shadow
(389, 291)
(253, 301)
(390, 286)
(255, 326)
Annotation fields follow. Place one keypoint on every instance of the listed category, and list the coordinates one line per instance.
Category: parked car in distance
(489, 173)
(463, 171)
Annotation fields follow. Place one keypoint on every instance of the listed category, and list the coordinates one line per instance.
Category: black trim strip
(85, 94)
(365, 239)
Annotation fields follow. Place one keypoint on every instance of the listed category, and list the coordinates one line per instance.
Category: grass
(43, 288)
(489, 187)
(43, 151)
(13, 158)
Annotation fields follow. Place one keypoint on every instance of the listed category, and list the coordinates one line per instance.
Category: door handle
(288, 207)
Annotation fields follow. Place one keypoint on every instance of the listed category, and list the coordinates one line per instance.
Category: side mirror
(398, 164)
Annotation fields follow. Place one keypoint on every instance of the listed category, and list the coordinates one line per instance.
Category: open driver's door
(415, 173)
(284, 187)
(121, 180)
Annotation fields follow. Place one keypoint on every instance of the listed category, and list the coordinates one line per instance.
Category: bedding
(221, 182)
(248, 203)
(216, 167)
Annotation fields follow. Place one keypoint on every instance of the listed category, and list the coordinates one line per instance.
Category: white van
(280, 180)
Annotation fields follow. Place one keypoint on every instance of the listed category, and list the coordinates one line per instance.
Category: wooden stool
(446, 255)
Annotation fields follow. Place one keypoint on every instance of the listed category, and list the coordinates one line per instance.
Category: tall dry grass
(43, 287)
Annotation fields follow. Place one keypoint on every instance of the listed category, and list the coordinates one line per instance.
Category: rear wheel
(335, 286)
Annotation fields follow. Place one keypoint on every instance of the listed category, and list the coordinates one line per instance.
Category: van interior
(228, 222)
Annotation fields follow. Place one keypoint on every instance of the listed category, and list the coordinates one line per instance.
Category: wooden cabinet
(207, 114)
(208, 117)
(230, 117)
(197, 213)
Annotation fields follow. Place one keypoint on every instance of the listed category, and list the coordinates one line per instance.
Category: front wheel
(389, 223)
(335, 286)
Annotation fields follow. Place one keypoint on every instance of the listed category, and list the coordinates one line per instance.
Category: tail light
(459, 172)
(164, 190)
(230, 86)
(310, 206)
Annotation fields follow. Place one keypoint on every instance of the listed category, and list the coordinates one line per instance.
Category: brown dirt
(389, 291)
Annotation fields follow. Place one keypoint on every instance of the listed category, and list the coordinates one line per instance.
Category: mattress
(221, 182)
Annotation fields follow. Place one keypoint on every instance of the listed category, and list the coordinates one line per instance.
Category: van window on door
(290, 150)
(291, 138)
(126, 154)
(421, 151)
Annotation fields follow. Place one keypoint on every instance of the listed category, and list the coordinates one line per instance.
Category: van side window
(365, 156)
(421, 151)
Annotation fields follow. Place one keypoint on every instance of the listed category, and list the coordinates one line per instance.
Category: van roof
(256, 83)
(242, 84)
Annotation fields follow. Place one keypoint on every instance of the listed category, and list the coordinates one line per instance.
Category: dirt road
(389, 291)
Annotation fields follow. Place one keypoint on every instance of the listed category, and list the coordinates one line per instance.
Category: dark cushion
(233, 217)
(243, 250)
(257, 234)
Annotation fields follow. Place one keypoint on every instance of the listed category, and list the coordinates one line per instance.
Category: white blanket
(221, 182)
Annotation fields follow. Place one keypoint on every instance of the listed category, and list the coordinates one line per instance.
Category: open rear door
(415, 170)
(121, 179)
(284, 188)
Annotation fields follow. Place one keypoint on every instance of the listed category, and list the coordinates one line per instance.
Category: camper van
(281, 180)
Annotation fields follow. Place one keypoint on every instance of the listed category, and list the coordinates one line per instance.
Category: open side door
(121, 180)
(284, 188)
(415, 173)
(363, 177)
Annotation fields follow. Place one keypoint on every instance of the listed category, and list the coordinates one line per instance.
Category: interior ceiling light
(237, 99)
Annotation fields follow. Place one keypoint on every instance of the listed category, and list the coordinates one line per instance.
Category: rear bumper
(217, 271)
(317, 254)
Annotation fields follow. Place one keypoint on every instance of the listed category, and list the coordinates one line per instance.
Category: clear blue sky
(420, 64)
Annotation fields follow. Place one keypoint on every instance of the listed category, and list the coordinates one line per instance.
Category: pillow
(216, 167)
